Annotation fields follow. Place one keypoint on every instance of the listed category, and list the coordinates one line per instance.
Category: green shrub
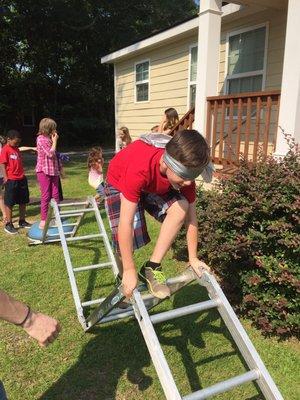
(249, 234)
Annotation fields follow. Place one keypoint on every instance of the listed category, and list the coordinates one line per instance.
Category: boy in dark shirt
(15, 181)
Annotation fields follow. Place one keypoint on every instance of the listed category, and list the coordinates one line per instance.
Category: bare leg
(8, 214)
(3, 209)
(174, 220)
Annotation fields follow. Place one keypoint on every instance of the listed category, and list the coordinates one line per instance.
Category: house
(238, 64)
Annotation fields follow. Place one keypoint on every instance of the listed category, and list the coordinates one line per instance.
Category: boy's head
(47, 126)
(186, 155)
(13, 138)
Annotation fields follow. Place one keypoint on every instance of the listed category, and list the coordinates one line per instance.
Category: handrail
(244, 95)
(188, 117)
(229, 140)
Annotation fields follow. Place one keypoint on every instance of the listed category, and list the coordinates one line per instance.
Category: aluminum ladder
(108, 309)
(141, 303)
(61, 213)
(48, 237)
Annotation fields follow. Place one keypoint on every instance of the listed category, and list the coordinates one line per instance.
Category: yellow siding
(169, 72)
(168, 86)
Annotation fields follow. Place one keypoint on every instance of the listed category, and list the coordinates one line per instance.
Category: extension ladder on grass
(109, 309)
(61, 213)
(140, 305)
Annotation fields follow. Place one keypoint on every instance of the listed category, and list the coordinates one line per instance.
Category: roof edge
(178, 29)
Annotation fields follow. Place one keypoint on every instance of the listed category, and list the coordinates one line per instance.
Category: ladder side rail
(105, 237)
(64, 245)
(242, 340)
(79, 218)
(157, 355)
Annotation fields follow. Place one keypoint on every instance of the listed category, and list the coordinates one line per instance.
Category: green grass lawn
(112, 362)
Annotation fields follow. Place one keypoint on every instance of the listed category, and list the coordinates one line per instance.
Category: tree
(51, 57)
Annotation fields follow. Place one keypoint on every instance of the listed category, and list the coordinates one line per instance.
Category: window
(192, 75)
(246, 61)
(142, 81)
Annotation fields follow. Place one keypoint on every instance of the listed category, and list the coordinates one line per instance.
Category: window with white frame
(142, 81)
(193, 75)
(246, 60)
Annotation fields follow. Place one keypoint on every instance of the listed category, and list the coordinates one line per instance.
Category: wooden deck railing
(186, 122)
(242, 126)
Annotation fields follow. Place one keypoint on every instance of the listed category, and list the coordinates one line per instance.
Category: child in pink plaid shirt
(47, 166)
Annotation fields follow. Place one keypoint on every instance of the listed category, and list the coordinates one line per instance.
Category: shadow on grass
(120, 348)
(117, 349)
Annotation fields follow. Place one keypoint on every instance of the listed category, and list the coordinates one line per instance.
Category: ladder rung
(179, 312)
(63, 225)
(56, 234)
(87, 237)
(71, 214)
(95, 266)
(80, 203)
(91, 302)
(83, 210)
(223, 386)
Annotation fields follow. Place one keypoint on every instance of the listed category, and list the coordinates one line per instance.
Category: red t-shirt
(11, 157)
(135, 169)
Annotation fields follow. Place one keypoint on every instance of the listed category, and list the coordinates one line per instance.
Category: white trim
(262, 72)
(116, 105)
(184, 28)
(141, 82)
(191, 46)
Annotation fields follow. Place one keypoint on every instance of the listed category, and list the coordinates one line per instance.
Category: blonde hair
(125, 130)
(47, 126)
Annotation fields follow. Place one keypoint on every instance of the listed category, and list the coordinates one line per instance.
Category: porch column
(208, 58)
(289, 113)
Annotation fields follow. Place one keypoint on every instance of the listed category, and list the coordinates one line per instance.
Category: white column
(116, 106)
(289, 113)
(208, 58)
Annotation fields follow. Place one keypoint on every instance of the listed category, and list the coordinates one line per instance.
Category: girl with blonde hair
(47, 166)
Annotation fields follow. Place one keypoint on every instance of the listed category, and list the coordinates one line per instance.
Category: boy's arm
(26, 148)
(125, 232)
(191, 224)
(192, 232)
(3, 171)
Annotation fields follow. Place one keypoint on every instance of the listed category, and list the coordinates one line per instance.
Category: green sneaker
(156, 282)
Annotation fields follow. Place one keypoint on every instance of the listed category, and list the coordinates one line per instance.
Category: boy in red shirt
(16, 186)
(162, 182)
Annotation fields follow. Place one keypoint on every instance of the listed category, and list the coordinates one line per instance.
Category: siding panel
(169, 73)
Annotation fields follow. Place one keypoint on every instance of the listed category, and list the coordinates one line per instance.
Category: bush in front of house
(249, 234)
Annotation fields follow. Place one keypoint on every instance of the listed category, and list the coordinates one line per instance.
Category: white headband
(188, 174)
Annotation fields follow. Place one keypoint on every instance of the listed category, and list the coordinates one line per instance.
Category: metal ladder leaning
(107, 310)
(81, 208)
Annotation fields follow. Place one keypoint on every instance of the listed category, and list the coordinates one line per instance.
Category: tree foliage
(51, 56)
(249, 233)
